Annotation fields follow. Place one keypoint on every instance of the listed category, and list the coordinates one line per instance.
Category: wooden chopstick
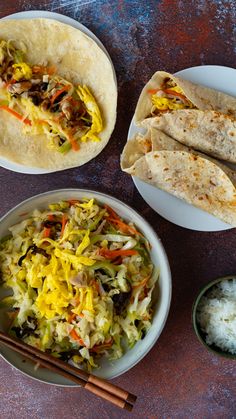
(96, 385)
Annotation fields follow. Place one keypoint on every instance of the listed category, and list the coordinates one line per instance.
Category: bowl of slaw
(161, 295)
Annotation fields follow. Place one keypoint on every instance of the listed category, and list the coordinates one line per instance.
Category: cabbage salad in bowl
(81, 281)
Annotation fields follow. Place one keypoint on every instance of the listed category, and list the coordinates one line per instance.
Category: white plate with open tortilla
(32, 169)
(168, 206)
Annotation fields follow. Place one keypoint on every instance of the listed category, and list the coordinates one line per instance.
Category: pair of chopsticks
(96, 385)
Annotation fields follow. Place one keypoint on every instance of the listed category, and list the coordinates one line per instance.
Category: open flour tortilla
(79, 60)
(212, 132)
(202, 97)
(185, 173)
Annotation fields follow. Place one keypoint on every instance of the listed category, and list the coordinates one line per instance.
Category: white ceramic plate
(15, 167)
(168, 206)
(108, 369)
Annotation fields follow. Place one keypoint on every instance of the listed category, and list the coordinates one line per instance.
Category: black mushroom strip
(52, 223)
(27, 329)
(33, 249)
(121, 301)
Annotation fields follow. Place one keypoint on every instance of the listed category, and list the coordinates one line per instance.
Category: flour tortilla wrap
(208, 131)
(203, 98)
(79, 60)
(185, 173)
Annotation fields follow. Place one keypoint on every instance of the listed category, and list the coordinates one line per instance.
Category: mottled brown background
(178, 378)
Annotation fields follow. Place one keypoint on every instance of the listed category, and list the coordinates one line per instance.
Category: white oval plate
(15, 167)
(109, 369)
(168, 206)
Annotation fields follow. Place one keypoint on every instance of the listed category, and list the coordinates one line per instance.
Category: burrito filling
(46, 103)
(169, 97)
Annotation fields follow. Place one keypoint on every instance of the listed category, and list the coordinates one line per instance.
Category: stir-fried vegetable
(47, 103)
(15, 114)
(169, 97)
(81, 288)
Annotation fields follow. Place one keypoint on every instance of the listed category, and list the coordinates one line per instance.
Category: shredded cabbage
(75, 293)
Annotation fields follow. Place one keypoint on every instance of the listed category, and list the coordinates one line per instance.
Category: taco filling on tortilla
(46, 103)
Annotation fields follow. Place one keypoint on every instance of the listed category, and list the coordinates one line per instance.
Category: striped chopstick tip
(128, 407)
(95, 385)
(131, 398)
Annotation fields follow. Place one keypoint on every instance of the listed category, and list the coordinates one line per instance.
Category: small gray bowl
(200, 334)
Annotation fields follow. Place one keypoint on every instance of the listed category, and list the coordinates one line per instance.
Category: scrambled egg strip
(165, 102)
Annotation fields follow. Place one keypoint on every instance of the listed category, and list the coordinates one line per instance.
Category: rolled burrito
(212, 132)
(183, 172)
(165, 92)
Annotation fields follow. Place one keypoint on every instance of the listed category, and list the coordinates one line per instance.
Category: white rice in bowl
(216, 315)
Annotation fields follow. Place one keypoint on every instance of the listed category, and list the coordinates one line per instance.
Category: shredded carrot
(72, 202)
(12, 81)
(114, 218)
(74, 143)
(142, 283)
(42, 121)
(40, 69)
(76, 337)
(51, 70)
(172, 92)
(111, 254)
(58, 92)
(71, 317)
(111, 212)
(63, 224)
(125, 228)
(74, 334)
(153, 91)
(15, 114)
(169, 92)
(46, 232)
(95, 284)
(75, 146)
(71, 100)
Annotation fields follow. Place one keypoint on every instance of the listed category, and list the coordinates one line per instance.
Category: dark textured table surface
(178, 378)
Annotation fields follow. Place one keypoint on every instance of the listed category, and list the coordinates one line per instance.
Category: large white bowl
(163, 296)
